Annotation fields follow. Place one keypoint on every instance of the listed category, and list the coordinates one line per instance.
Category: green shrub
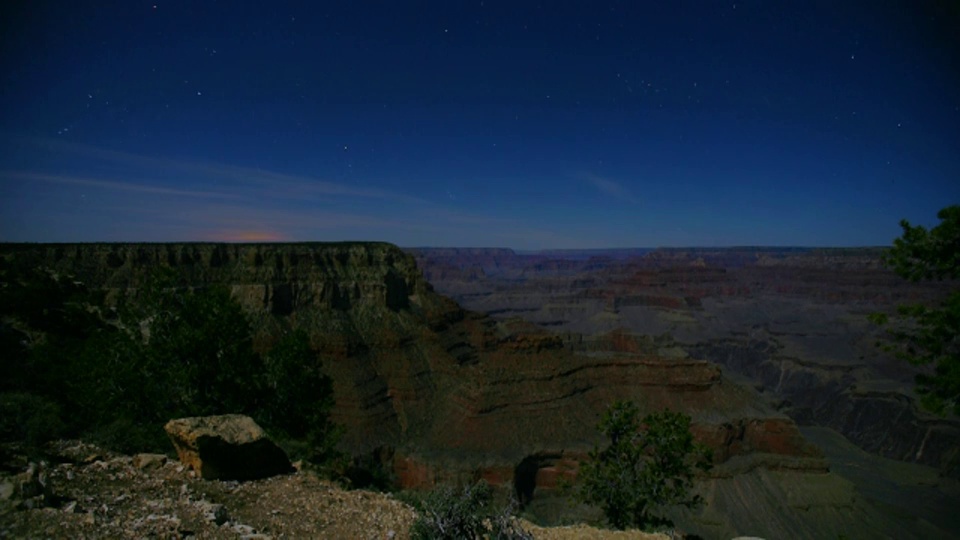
(28, 418)
(369, 472)
(465, 513)
(928, 335)
(168, 352)
(649, 464)
(129, 436)
(198, 347)
(298, 396)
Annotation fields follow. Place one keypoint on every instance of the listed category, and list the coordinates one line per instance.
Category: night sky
(531, 125)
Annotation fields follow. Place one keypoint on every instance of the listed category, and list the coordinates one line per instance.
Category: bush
(298, 396)
(78, 368)
(198, 347)
(929, 335)
(129, 436)
(649, 464)
(369, 472)
(466, 513)
(28, 418)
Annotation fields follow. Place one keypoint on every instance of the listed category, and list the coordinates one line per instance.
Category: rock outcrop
(112, 497)
(226, 447)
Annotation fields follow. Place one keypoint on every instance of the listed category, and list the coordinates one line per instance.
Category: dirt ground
(95, 494)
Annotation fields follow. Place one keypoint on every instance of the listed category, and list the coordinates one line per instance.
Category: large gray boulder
(226, 447)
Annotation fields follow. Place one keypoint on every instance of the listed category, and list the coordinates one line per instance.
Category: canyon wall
(791, 321)
(415, 373)
(412, 370)
(439, 393)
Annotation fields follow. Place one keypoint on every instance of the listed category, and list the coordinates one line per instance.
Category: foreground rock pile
(85, 492)
(94, 494)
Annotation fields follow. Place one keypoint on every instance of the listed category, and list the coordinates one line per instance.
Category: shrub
(448, 513)
(928, 335)
(76, 367)
(28, 418)
(369, 472)
(198, 346)
(649, 464)
(298, 396)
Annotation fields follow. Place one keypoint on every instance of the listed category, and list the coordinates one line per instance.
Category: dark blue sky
(478, 123)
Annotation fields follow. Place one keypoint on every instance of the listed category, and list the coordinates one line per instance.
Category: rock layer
(791, 320)
(413, 371)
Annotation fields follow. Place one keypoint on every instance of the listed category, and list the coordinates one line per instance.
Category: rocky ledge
(87, 492)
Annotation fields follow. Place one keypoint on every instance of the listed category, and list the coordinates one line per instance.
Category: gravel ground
(95, 494)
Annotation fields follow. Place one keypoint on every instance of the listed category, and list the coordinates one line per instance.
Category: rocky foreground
(91, 493)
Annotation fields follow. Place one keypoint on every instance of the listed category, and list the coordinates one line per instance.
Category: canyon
(792, 321)
(456, 364)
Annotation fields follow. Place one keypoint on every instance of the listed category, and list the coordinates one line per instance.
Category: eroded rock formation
(412, 370)
(441, 393)
(792, 320)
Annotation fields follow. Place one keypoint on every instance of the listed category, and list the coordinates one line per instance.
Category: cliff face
(438, 392)
(364, 306)
(277, 279)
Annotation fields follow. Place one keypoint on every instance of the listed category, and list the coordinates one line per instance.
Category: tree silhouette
(649, 464)
(921, 334)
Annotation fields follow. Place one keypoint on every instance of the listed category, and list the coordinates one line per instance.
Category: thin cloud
(610, 187)
(270, 183)
(242, 222)
(283, 219)
(165, 199)
(114, 185)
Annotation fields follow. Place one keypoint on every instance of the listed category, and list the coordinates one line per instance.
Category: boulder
(226, 447)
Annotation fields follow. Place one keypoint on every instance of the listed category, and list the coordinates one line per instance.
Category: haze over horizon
(487, 123)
